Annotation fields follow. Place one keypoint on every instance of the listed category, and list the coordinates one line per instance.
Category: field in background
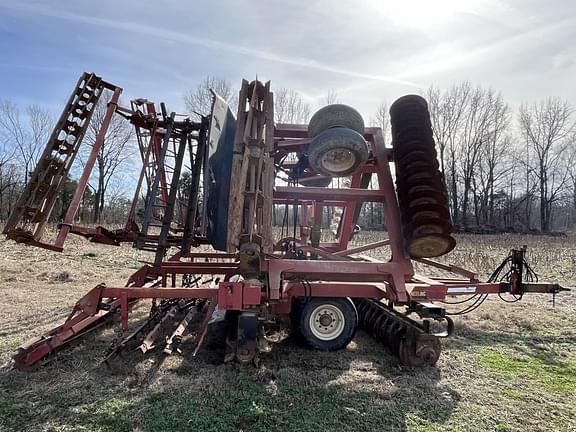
(509, 367)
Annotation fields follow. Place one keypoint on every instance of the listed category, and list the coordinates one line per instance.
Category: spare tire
(336, 115)
(337, 152)
(315, 181)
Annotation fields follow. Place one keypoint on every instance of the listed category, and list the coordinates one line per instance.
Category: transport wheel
(335, 115)
(327, 324)
(337, 152)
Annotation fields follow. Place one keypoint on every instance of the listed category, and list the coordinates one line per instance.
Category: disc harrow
(211, 184)
(406, 338)
(419, 183)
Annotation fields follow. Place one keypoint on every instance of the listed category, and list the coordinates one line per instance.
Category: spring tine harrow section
(192, 210)
(164, 329)
(175, 338)
(26, 224)
(157, 199)
(149, 139)
(170, 212)
(170, 207)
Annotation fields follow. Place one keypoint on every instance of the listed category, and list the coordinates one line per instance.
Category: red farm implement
(241, 169)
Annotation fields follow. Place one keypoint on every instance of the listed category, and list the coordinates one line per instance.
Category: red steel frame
(147, 152)
(145, 119)
(335, 274)
(65, 227)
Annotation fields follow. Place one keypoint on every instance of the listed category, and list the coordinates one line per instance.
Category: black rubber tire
(301, 322)
(315, 181)
(336, 115)
(295, 313)
(411, 101)
(337, 139)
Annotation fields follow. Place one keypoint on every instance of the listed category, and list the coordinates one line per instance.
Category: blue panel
(220, 153)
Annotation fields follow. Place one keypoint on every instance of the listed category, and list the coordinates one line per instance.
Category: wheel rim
(338, 160)
(327, 322)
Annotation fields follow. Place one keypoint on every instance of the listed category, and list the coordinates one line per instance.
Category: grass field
(509, 367)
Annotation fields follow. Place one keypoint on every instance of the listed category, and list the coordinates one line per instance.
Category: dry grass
(507, 368)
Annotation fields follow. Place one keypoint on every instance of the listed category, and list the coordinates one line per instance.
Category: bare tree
(8, 179)
(482, 123)
(117, 201)
(492, 167)
(446, 113)
(28, 136)
(198, 101)
(114, 154)
(548, 128)
(289, 107)
(381, 119)
(570, 163)
(331, 97)
(41, 126)
(470, 125)
(446, 110)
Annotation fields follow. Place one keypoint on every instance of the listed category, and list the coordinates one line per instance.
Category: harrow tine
(149, 342)
(203, 328)
(176, 337)
(113, 352)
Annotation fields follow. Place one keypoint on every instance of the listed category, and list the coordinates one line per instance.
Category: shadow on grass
(360, 388)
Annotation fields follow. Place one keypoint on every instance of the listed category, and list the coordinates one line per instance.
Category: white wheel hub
(338, 160)
(327, 322)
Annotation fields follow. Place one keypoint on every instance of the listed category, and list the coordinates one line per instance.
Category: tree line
(505, 168)
(24, 134)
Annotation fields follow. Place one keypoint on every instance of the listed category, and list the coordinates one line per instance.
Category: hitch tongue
(558, 288)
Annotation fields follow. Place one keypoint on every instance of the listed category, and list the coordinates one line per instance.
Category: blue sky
(368, 51)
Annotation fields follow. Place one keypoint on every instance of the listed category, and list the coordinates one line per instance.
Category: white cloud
(367, 50)
(189, 39)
